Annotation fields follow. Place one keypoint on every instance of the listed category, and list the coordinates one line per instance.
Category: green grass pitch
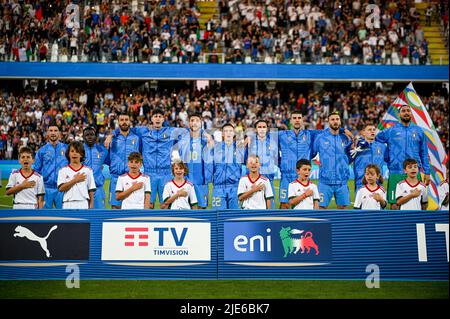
(218, 289)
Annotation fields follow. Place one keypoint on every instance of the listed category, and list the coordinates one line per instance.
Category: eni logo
(292, 244)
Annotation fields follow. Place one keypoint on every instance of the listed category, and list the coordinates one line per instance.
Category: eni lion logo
(293, 244)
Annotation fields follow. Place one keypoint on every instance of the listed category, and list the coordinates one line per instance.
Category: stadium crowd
(249, 31)
(26, 114)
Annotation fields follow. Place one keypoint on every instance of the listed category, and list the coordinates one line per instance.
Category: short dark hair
(227, 124)
(89, 128)
(135, 156)
(409, 161)
(296, 112)
(158, 111)
(122, 113)
(54, 123)
(196, 114)
(369, 124)
(261, 121)
(26, 150)
(302, 162)
(79, 148)
(333, 113)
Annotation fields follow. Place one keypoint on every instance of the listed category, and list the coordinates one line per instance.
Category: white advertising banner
(156, 241)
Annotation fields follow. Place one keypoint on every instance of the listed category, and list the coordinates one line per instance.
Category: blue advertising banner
(278, 241)
(333, 244)
(243, 72)
(108, 244)
(232, 244)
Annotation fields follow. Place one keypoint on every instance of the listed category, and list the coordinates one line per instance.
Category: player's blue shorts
(340, 192)
(202, 193)
(53, 196)
(157, 183)
(225, 197)
(112, 192)
(99, 197)
(284, 187)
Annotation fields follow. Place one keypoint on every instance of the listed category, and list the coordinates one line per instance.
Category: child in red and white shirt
(133, 188)
(372, 196)
(179, 193)
(411, 193)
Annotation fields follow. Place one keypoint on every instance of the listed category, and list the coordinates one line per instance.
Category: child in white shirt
(179, 193)
(372, 196)
(25, 184)
(254, 190)
(443, 194)
(75, 180)
(134, 188)
(302, 193)
(411, 193)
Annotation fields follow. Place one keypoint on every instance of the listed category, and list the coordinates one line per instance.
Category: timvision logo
(286, 241)
(156, 241)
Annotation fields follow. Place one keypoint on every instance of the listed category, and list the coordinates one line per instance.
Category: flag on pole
(436, 151)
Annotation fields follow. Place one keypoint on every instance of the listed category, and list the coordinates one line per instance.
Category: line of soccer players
(72, 174)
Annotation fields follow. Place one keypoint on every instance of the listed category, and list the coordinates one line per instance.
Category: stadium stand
(25, 112)
(275, 31)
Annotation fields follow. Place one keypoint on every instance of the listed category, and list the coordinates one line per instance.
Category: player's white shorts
(76, 204)
(24, 206)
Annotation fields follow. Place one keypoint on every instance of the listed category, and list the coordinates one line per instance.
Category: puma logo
(21, 231)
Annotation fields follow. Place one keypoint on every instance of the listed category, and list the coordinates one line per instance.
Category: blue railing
(242, 72)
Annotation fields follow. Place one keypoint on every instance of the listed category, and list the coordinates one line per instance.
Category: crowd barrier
(232, 244)
(238, 72)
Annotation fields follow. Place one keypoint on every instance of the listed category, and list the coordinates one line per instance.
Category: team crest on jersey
(164, 136)
(414, 135)
(326, 143)
(304, 137)
(62, 152)
(98, 155)
(378, 151)
(133, 141)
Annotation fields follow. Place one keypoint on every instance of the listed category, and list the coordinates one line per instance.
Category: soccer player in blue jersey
(227, 158)
(96, 156)
(264, 144)
(122, 143)
(333, 148)
(192, 148)
(157, 148)
(369, 152)
(294, 145)
(404, 140)
(50, 158)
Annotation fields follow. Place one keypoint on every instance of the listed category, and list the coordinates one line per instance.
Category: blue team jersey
(193, 152)
(157, 147)
(121, 147)
(267, 151)
(294, 147)
(334, 153)
(227, 163)
(49, 160)
(95, 157)
(374, 154)
(404, 142)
